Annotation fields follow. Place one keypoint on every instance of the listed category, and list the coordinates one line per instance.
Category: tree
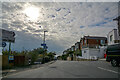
(51, 55)
(78, 52)
(33, 56)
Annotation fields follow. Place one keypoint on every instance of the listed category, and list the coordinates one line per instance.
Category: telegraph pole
(44, 46)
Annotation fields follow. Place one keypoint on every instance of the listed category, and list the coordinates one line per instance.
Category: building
(77, 46)
(113, 37)
(118, 21)
(93, 41)
(73, 48)
(64, 52)
(93, 47)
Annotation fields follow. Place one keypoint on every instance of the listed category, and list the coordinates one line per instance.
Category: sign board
(43, 44)
(3, 44)
(7, 36)
(11, 57)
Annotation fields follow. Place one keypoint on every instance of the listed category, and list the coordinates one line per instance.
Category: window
(102, 41)
(97, 41)
(84, 51)
(111, 37)
(85, 41)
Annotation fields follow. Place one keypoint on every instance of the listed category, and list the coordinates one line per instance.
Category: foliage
(34, 54)
(51, 55)
(64, 56)
(78, 52)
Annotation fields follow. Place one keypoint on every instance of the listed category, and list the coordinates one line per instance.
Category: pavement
(71, 69)
(103, 59)
(16, 70)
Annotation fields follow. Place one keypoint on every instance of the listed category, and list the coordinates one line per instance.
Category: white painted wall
(88, 53)
(114, 32)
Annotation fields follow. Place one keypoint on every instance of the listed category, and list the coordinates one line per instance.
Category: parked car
(113, 54)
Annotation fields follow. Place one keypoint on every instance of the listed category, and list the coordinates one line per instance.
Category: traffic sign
(11, 57)
(3, 44)
(7, 36)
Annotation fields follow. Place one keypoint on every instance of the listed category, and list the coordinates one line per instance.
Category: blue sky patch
(82, 26)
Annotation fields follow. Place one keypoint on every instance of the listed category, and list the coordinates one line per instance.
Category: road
(71, 69)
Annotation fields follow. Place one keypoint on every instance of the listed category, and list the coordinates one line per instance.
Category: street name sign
(43, 44)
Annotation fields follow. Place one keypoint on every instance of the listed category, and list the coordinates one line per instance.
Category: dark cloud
(38, 31)
(58, 9)
(30, 28)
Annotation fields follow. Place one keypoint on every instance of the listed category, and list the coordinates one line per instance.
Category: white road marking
(109, 70)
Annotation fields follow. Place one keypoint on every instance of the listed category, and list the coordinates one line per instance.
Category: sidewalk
(103, 59)
(11, 71)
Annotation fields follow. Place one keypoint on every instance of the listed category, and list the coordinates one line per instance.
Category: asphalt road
(71, 69)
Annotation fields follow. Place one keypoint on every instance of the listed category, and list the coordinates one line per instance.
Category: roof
(77, 43)
(94, 37)
(73, 46)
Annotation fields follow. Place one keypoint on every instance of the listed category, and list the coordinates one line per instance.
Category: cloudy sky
(66, 22)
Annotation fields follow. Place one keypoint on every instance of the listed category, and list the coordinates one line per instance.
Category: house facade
(118, 21)
(77, 46)
(93, 47)
(113, 37)
(73, 48)
(92, 41)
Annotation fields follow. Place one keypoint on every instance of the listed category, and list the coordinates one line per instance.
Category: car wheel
(114, 63)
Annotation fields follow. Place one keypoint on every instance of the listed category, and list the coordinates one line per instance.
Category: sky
(66, 22)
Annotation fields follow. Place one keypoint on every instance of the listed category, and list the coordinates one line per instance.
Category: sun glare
(32, 13)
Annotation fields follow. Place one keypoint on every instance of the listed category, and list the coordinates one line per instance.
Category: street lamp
(44, 47)
(44, 36)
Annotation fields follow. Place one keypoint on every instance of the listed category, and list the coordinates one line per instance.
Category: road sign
(11, 57)
(7, 36)
(43, 44)
(3, 44)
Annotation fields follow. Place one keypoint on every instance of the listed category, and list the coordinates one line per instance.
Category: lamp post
(44, 37)
(44, 47)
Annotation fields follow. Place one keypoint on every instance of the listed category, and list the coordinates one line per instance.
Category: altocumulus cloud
(65, 22)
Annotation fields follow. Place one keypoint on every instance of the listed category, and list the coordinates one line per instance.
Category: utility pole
(44, 47)
(9, 54)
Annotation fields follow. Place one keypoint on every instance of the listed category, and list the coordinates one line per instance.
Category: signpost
(7, 36)
(44, 46)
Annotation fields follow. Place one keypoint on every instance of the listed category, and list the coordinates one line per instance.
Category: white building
(113, 37)
(93, 53)
(93, 47)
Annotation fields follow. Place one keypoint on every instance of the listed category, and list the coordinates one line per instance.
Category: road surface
(71, 69)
